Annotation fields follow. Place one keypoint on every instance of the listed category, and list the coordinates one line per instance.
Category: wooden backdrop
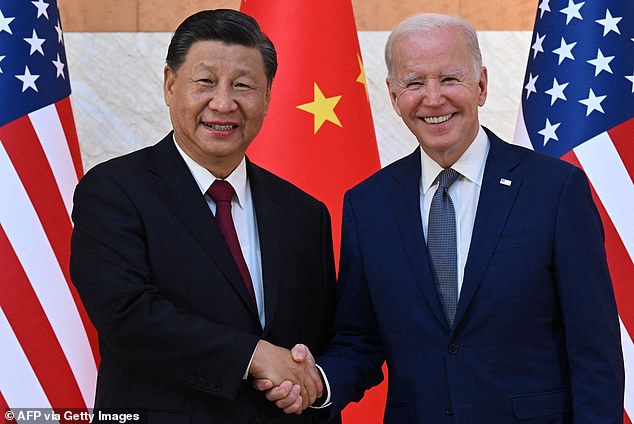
(371, 15)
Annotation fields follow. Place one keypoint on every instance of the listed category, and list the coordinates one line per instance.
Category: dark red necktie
(222, 192)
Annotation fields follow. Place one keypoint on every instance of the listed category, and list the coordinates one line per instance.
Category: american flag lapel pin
(505, 182)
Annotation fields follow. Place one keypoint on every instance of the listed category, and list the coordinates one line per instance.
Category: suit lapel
(175, 184)
(494, 205)
(405, 198)
(270, 220)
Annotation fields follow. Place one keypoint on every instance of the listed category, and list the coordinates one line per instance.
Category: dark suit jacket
(176, 330)
(536, 335)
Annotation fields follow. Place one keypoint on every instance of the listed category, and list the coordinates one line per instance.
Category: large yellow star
(323, 108)
(361, 78)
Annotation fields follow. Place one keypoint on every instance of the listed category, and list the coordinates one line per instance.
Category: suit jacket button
(453, 349)
(215, 387)
(449, 410)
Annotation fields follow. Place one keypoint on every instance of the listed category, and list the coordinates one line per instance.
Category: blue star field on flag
(33, 71)
(580, 75)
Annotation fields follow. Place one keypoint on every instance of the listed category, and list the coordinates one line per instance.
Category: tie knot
(447, 177)
(221, 191)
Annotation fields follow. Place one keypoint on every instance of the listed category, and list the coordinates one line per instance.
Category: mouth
(434, 120)
(216, 126)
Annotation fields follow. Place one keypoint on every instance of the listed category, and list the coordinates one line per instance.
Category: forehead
(217, 55)
(443, 49)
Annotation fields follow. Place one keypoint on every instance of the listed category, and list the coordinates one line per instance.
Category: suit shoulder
(121, 166)
(394, 171)
(274, 183)
(538, 162)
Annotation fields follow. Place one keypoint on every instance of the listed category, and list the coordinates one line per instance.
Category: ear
(393, 97)
(483, 85)
(267, 100)
(169, 79)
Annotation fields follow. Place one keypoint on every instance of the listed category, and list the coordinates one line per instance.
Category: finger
(280, 392)
(299, 353)
(291, 399)
(315, 376)
(262, 384)
(311, 394)
(295, 408)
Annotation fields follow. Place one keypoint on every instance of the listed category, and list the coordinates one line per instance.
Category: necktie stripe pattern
(442, 244)
(222, 192)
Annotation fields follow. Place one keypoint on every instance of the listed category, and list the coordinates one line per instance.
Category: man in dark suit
(189, 309)
(475, 268)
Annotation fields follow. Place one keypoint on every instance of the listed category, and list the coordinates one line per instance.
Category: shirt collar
(204, 178)
(470, 164)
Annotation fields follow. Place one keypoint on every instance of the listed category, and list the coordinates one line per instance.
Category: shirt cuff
(327, 402)
(246, 372)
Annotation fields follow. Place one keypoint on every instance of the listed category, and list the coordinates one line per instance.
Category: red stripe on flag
(619, 261)
(29, 160)
(65, 112)
(3, 408)
(621, 136)
(34, 332)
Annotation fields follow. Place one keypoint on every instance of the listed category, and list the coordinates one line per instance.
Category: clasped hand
(290, 378)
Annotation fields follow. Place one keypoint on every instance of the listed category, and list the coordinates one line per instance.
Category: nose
(222, 100)
(433, 94)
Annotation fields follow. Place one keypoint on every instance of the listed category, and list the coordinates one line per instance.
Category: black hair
(226, 25)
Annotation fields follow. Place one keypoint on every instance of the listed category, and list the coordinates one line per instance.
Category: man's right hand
(290, 378)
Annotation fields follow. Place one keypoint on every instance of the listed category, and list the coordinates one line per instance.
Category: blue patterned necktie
(441, 243)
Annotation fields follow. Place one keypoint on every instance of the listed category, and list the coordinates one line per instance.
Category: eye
(414, 84)
(205, 81)
(241, 85)
(450, 80)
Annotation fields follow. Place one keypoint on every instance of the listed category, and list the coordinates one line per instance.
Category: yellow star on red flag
(323, 108)
(361, 78)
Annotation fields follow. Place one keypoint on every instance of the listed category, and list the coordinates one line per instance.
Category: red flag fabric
(318, 133)
(48, 350)
(578, 104)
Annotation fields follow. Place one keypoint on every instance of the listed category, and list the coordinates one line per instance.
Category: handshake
(290, 379)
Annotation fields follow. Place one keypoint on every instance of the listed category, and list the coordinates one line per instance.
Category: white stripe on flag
(49, 130)
(521, 133)
(628, 356)
(29, 241)
(605, 169)
(18, 383)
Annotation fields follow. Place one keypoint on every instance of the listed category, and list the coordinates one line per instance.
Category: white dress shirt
(243, 214)
(464, 193)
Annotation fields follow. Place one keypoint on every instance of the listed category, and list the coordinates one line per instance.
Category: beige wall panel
(371, 15)
(165, 15)
(99, 16)
(382, 15)
(500, 15)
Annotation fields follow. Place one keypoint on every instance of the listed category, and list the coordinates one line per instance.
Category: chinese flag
(318, 133)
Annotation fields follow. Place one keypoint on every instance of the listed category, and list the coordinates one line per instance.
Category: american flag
(578, 104)
(47, 347)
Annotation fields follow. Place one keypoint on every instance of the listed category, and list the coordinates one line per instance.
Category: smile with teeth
(220, 127)
(437, 119)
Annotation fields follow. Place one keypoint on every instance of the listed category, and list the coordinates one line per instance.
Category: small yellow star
(323, 108)
(361, 78)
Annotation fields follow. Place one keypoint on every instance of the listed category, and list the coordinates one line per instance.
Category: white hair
(427, 22)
